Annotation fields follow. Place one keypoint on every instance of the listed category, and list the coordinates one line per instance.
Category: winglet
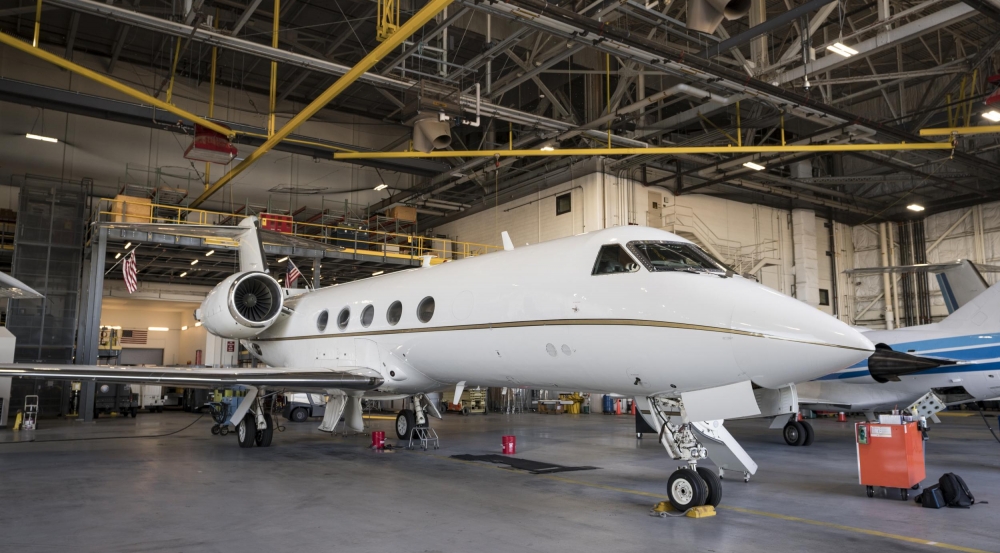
(508, 245)
(251, 250)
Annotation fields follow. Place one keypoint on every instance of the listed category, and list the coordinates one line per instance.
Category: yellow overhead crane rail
(349, 240)
(960, 131)
(670, 150)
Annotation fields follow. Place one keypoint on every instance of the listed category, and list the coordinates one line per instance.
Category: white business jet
(629, 310)
(958, 359)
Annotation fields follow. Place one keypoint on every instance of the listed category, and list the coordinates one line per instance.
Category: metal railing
(354, 240)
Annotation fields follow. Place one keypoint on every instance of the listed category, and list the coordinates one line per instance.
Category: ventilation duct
(431, 134)
(705, 15)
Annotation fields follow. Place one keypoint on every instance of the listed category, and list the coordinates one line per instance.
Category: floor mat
(534, 467)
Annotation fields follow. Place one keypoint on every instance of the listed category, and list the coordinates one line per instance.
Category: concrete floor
(194, 492)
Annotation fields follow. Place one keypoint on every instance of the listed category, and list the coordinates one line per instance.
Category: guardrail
(348, 239)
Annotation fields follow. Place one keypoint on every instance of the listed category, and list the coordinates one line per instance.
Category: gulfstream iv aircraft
(628, 310)
(958, 359)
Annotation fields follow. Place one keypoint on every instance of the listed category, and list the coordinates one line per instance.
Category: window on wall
(824, 297)
(564, 203)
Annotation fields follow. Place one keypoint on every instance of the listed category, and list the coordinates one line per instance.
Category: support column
(886, 289)
(90, 317)
(806, 262)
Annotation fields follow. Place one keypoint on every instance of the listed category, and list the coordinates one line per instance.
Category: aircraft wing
(290, 379)
(10, 287)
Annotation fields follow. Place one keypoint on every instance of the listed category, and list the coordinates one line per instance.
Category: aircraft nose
(779, 339)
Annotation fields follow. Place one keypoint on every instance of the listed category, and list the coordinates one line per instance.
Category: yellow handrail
(375, 243)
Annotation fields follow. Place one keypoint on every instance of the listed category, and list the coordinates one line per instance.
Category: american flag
(131, 277)
(134, 337)
(292, 274)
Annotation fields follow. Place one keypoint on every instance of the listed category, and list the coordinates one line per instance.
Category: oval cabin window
(425, 310)
(344, 318)
(367, 315)
(394, 313)
(322, 320)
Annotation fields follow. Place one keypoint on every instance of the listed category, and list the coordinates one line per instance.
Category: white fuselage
(537, 317)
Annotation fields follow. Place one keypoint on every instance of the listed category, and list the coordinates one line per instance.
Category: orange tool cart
(890, 456)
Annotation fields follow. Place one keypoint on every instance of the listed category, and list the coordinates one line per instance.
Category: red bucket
(378, 439)
(841, 417)
(509, 444)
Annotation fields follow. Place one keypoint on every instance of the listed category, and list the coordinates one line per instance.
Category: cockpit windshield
(674, 256)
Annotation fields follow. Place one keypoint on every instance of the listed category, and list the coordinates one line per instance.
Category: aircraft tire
(246, 431)
(263, 437)
(809, 433)
(713, 483)
(686, 489)
(794, 433)
(299, 414)
(406, 420)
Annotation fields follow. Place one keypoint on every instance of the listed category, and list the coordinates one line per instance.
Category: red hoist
(210, 147)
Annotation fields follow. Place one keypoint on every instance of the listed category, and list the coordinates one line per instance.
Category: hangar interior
(810, 146)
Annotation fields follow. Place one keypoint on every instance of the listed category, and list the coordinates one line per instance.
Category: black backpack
(955, 492)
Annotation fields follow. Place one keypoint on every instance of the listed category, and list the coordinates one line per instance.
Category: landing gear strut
(256, 427)
(413, 425)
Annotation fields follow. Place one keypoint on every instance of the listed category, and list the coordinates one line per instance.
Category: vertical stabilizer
(982, 314)
(251, 249)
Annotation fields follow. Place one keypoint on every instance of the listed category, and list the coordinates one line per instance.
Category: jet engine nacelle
(242, 306)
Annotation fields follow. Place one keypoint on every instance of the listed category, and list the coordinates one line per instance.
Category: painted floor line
(755, 512)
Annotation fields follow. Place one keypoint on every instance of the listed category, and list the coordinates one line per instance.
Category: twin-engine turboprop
(627, 310)
(958, 359)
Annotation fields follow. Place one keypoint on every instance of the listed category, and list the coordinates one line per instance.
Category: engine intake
(242, 306)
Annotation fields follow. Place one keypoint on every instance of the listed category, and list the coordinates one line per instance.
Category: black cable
(987, 421)
(108, 437)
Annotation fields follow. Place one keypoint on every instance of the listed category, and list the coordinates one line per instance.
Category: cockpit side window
(613, 259)
(674, 256)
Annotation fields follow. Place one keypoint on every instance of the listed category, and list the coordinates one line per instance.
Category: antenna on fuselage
(508, 244)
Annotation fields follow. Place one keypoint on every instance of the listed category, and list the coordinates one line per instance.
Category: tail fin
(251, 248)
(981, 314)
(960, 284)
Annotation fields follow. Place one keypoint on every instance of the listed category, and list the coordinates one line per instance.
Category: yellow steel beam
(38, 24)
(111, 83)
(948, 131)
(272, 98)
(418, 20)
(651, 151)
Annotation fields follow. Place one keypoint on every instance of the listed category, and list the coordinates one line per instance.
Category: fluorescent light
(40, 137)
(157, 329)
(915, 207)
(184, 327)
(209, 254)
(283, 259)
(993, 115)
(377, 273)
(184, 274)
(197, 323)
(195, 262)
(547, 148)
(842, 50)
(754, 166)
(382, 186)
(129, 245)
(117, 255)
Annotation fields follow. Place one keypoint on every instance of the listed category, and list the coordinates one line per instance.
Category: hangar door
(141, 356)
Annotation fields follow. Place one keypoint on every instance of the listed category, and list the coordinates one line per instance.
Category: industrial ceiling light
(197, 323)
(381, 187)
(195, 262)
(915, 207)
(283, 259)
(184, 274)
(377, 273)
(157, 329)
(129, 245)
(42, 138)
(754, 166)
(209, 253)
(993, 115)
(184, 327)
(547, 148)
(840, 49)
(117, 255)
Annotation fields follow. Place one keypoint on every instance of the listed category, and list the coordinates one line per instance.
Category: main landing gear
(256, 427)
(413, 424)
(798, 433)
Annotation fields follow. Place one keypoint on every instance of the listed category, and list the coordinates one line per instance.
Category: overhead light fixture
(209, 253)
(157, 329)
(42, 138)
(129, 245)
(197, 323)
(377, 273)
(457, 175)
(184, 327)
(184, 274)
(993, 115)
(117, 255)
(283, 259)
(840, 49)
(547, 148)
(754, 166)
(382, 186)
(915, 207)
(195, 262)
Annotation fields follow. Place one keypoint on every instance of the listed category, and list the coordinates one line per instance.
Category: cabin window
(674, 256)
(564, 203)
(343, 318)
(824, 297)
(425, 310)
(367, 315)
(394, 313)
(322, 320)
(613, 259)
